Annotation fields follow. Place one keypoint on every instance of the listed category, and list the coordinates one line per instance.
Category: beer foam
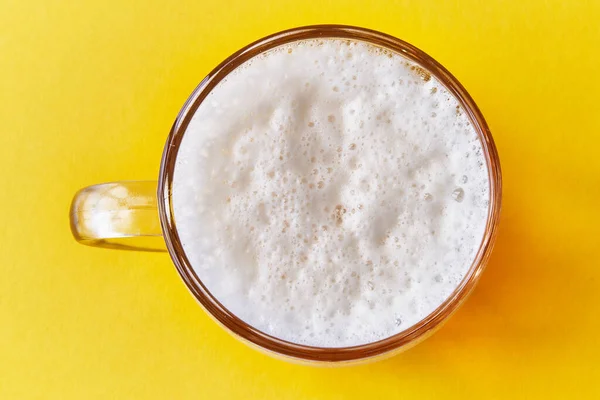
(330, 193)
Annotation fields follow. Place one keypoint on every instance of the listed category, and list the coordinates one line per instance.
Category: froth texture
(330, 193)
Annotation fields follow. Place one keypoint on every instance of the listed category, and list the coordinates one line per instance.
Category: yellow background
(88, 92)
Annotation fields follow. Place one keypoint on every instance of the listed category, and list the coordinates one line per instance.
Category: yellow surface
(88, 92)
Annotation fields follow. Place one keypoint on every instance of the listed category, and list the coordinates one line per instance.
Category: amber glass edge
(261, 339)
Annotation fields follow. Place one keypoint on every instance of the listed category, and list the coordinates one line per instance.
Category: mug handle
(118, 215)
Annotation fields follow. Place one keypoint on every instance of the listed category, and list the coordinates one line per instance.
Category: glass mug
(135, 215)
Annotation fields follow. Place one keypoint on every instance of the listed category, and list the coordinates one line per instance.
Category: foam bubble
(316, 193)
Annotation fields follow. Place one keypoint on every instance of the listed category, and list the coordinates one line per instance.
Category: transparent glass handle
(118, 215)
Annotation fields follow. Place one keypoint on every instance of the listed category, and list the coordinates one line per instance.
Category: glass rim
(273, 344)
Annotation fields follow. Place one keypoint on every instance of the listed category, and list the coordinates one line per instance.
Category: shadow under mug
(138, 215)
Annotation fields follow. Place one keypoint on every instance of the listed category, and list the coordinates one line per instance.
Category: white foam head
(330, 193)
